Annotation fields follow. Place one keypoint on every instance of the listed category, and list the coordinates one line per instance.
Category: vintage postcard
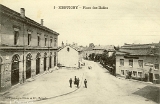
(79, 52)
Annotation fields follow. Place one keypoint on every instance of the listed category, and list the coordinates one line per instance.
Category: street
(102, 88)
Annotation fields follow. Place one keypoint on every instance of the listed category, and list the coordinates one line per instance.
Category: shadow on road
(150, 92)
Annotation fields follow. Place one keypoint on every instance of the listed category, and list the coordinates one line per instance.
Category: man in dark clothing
(70, 82)
(85, 83)
(77, 82)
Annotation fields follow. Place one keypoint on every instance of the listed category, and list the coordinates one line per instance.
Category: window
(51, 42)
(45, 39)
(122, 62)
(156, 66)
(68, 49)
(38, 40)
(140, 74)
(55, 42)
(140, 63)
(16, 36)
(131, 63)
(156, 76)
(29, 39)
(134, 73)
(122, 72)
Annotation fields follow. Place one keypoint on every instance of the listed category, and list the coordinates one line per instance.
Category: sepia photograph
(79, 52)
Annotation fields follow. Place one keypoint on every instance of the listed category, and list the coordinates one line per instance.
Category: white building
(69, 56)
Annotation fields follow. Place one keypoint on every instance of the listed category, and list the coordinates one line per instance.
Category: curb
(27, 81)
(46, 98)
(135, 80)
(61, 94)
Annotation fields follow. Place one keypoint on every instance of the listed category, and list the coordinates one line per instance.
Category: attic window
(68, 49)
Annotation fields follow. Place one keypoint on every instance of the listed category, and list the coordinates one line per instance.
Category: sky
(125, 21)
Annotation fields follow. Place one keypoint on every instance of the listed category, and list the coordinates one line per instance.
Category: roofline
(69, 46)
(13, 14)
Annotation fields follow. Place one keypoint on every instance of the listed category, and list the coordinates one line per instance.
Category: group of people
(76, 82)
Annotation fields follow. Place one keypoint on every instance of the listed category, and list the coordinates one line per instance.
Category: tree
(92, 56)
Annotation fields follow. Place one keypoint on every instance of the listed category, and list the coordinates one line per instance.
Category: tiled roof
(89, 49)
(74, 47)
(120, 53)
(131, 46)
(9, 12)
(105, 47)
(136, 51)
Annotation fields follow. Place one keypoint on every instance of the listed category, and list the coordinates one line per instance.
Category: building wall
(87, 53)
(7, 28)
(98, 51)
(68, 58)
(7, 33)
(148, 63)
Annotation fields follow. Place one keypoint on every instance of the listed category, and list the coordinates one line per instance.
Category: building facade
(70, 56)
(142, 60)
(101, 49)
(27, 48)
(87, 51)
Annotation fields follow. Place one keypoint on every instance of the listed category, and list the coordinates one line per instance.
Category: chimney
(22, 12)
(42, 22)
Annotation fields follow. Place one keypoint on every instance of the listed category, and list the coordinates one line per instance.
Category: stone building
(142, 60)
(98, 49)
(27, 48)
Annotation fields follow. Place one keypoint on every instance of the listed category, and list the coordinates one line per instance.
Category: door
(55, 54)
(38, 63)
(54, 60)
(50, 62)
(151, 77)
(15, 70)
(45, 59)
(0, 72)
(28, 66)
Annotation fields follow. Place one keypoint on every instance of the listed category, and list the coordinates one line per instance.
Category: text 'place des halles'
(35, 69)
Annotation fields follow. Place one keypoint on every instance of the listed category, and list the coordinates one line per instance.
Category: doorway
(28, 66)
(0, 71)
(55, 59)
(15, 70)
(45, 61)
(50, 62)
(38, 63)
(151, 77)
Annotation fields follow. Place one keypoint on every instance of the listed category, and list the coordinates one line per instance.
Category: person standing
(70, 82)
(78, 82)
(85, 83)
(75, 80)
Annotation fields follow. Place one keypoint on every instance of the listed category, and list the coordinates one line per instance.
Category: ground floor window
(122, 72)
(135, 73)
(156, 76)
(139, 74)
